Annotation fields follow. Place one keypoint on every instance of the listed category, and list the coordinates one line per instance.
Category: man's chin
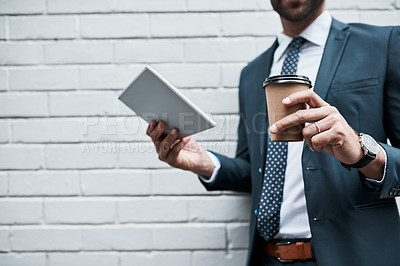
(294, 16)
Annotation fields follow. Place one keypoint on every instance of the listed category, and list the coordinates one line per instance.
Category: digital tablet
(152, 97)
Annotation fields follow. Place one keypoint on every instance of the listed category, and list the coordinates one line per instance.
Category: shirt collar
(317, 33)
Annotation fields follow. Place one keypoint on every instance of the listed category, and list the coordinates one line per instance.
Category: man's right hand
(184, 153)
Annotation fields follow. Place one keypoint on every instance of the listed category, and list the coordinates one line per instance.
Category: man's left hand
(325, 130)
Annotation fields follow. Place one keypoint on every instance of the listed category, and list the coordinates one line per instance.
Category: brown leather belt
(288, 252)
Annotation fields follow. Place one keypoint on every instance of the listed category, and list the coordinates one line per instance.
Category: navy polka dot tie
(275, 166)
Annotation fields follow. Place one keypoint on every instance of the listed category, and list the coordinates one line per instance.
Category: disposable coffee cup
(276, 89)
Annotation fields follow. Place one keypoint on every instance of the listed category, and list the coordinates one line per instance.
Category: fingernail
(286, 100)
(273, 128)
(174, 131)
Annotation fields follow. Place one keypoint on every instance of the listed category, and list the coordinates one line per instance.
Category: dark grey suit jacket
(351, 223)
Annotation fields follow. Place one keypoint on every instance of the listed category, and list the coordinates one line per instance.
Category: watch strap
(364, 161)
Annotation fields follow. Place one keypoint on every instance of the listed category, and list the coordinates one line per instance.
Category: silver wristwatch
(370, 149)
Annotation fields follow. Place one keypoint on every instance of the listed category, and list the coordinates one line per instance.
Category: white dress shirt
(294, 221)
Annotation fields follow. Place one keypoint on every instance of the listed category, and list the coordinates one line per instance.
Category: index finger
(150, 127)
(300, 117)
(307, 96)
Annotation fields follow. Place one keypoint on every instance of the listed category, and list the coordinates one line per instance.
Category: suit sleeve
(234, 174)
(391, 185)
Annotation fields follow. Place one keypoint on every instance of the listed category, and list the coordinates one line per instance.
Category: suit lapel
(333, 52)
(331, 57)
(262, 74)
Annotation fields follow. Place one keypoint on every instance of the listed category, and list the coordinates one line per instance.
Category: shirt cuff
(379, 182)
(217, 165)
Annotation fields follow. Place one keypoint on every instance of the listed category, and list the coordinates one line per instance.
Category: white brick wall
(46, 27)
(80, 183)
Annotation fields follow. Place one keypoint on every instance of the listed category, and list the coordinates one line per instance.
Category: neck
(294, 28)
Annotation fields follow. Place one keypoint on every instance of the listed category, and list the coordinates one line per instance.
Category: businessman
(329, 200)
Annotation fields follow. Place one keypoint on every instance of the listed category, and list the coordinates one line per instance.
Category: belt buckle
(277, 252)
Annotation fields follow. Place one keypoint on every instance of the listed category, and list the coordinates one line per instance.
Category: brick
(83, 104)
(371, 4)
(215, 133)
(79, 211)
(184, 25)
(43, 183)
(346, 16)
(21, 7)
(216, 101)
(47, 130)
(115, 182)
(114, 129)
(3, 35)
(250, 24)
(341, 4)
(46, 239)
(43, 79)
(20, 54)
(107, 77)
(3, 80)
(21, 157)
(225, 209)
(264, 5)
(152, 210)
(17, 259)
(191, 75)
(78, 53)
(21, 211)
(53, 27)
(380, 18)
(67, 130)
(118, 238)
(3, 184)
(4, 240)
(220, 258)
(238, 236)
(263, 43)
(83, 259)
(232, 50)
(176, 182)
(79, 6)
(225, 5)
(106, 129)
(226, 129)
(4, 135)
(80, 156)
(231, 75)
(23, 105)
(114, 26)
(227, 148)
(189, 236)
(153, 6)
(230, 126)
(138, 155)
(149, 51)
(156, 258)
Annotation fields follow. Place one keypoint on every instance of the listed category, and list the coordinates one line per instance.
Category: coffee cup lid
(287, 79)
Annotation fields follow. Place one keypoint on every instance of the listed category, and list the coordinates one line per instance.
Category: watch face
(370, 144)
